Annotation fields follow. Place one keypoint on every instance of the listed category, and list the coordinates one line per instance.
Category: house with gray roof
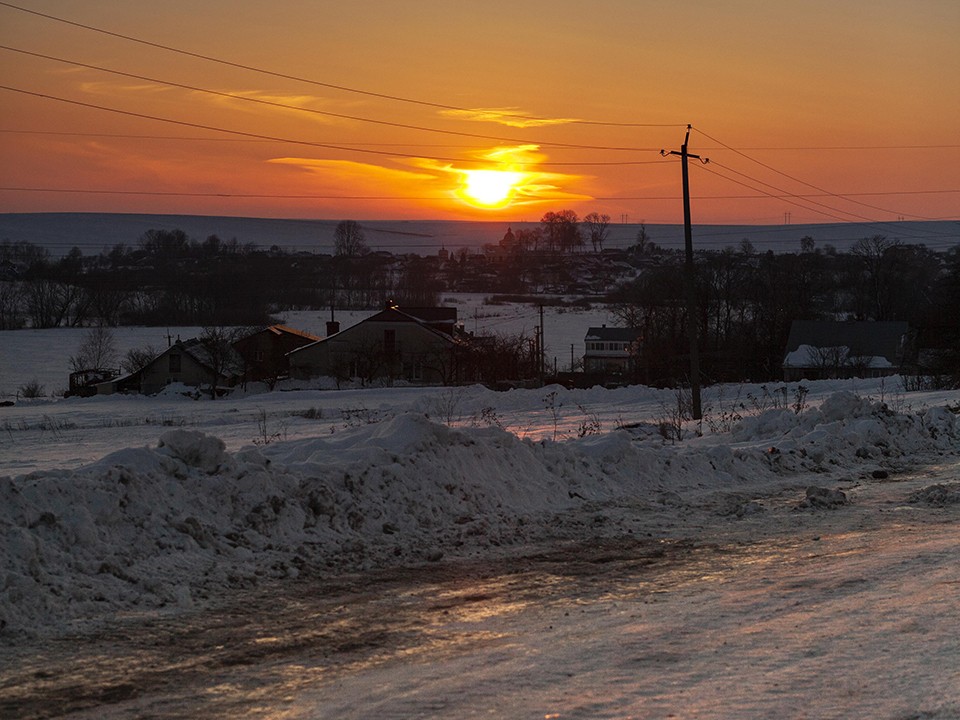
(610, 350)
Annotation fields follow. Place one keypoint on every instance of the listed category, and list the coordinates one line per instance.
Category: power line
(332, 86)
(787, 198)
(447, 145)
(309, 143)
(197, 138)
(787, 194)
(793, 195)
(312, 111)
(603, 198)
(833, 147)
(804, 182)
(163, 193)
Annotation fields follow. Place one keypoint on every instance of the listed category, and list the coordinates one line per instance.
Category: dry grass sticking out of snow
(164, 528)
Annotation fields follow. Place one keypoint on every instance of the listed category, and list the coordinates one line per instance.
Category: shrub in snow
(31, 390)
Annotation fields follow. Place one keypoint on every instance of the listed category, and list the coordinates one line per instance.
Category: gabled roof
(390, 315)
(432, 314)
(612, 334)
(199, 352)
(279, 330)
(286, 330)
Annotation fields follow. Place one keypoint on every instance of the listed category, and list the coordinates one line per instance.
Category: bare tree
(829, 361)
(97, 350)
(219, 355)
(562, 230)
(12, 314)
(878, 259)
(598, 227)
(53, 304)
(349, 239)
(138, 358)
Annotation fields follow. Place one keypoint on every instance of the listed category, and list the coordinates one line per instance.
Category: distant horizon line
(474, 221)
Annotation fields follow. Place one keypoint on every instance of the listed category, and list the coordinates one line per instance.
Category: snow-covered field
(119, 512)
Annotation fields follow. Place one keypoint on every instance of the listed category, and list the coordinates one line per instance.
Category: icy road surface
(851, 612)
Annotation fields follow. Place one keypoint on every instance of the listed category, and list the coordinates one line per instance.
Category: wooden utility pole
(543, 348)
(690, 277)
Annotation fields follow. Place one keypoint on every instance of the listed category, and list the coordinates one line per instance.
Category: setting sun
(490, 188)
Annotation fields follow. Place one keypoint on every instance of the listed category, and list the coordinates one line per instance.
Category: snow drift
(168, 526)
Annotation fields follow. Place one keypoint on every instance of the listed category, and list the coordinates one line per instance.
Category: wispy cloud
(340, 172)
(511, 117)
(245, 96)
(109, 88)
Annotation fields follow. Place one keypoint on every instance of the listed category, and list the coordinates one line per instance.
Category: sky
(820, 111)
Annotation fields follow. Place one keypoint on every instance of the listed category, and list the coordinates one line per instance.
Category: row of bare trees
(560, 232)
(170, 279)
(746, 303)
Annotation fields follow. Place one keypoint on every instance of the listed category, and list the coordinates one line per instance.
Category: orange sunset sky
(816, 111)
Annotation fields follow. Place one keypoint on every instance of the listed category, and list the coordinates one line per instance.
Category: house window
(413, 370)
(389, 340)
(175, 362)
(258, 355)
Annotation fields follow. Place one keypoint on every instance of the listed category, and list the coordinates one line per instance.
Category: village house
(610, 350)
(830, 349)
(187, 362)
(264, 353)
(417, 345)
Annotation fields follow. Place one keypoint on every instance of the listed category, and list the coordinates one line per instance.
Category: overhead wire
(318, 83)
(785, 196)
(141, 136)
(803, 182)
(366, 147)
(793, 200)
(610, 198)
(310, 143)
(313, 111)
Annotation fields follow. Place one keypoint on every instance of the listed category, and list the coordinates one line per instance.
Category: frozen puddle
(840, 613)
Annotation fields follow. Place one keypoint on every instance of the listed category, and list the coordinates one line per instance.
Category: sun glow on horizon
(490, 188)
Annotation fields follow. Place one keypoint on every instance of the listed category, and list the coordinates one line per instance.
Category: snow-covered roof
(614, 334)
(861, 340)
(807, 356)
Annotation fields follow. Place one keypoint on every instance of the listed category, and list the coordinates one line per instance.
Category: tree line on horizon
(746, 300)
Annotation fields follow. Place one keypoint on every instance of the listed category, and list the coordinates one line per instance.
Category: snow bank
(186, 521)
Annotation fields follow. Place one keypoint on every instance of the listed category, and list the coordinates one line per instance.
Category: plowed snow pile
(185, 521)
